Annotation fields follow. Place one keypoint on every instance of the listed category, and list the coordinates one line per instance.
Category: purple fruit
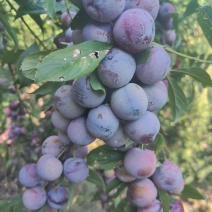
(144, 129)
(134, 30)
(167, 24)
(78, 133)
(63, 137)
(65, 104)
(49, 168)
(169, 37)
(118, 139)
(52, 145)
(77, 36)
(145, 163)
(84, 95)
(179, 189)
(68, 35)
(57, 197)
(34, 198)
(101, 122)
(167, 177)
(103, 11)
(66, 19)
(129, 102)
(122, 175)
(157, 95)
(98, 31)
(28, 175)
(165, 10)
(156, 67)
(116, 69)
(154, 207)
(142, 192)
(75, 170)
(176, 206)
(151, 6)
(81, 152)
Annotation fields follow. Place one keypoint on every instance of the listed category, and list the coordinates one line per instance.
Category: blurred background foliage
(188, 141)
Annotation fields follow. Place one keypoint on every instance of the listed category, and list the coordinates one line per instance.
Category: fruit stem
(23, 20)
(183, 55)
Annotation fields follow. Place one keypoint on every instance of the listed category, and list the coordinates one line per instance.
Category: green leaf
(191, 8)
(192, 193)
(104, 157)
(5, 205)
(96, 178)
(9, 29)
(159, 143)
(47, 88)
(113, 184)
(80, 20)
(49, 6)
(71, 196)
(96, 83)
(11, 56)
(125, 206)
(177, 98)
(142, 57)
(198, 74)
(37, 19)
(204, 17)
(72, 62)
(77, 3)
(120, 190)
(164, 199)
(30, 63)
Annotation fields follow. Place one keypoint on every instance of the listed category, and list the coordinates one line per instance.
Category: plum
(49, 168)
(156, 206)
(98, 31)
(84, 95)
(151, 6)
(142, 192)
(134, 30)
(140, 163)
(34, 198)
(129, 102)
(176, 206)
(169, 37)
(63, 137)
(57, 197)
(65, 104)
(75, 170)
(78, 133)
(165, 10)
(144, 129)
(122, 175)
(117, 68)
(101, 122)
(28, 175)
(157, 95)
(155, 68)
(52, 145)
(103, 11)
(168, 176)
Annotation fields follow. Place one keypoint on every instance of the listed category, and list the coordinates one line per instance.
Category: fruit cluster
(124, 109)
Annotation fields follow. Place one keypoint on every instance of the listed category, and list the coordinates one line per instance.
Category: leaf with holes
(204, 17)
(105, 157)
(72, 62)
(177, 98)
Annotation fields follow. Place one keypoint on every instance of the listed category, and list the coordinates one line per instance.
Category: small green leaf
(204, 17)
(113, 184)
(72, 62)
(9, 29)
(177, 98)
(125, 206)
(142, 57)
(5, 205)
(11, 56)
(198, 74)
(120, 190)
(164, 199)
(80, 20)
(159, 143)
(71, 196)
(96, 83)
(191, 8)
(49, 6)
(77, 3)
(30, 63)
(96, 178)
(105, 157)
(192, 193)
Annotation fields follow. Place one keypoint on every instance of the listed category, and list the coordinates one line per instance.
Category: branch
(183, 55)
